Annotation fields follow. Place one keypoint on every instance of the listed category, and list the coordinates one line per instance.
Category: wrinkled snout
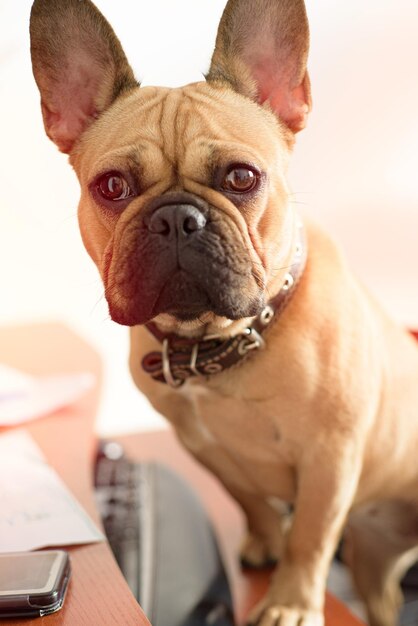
(181, 256)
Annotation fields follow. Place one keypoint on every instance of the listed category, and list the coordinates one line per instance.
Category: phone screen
(28, 573)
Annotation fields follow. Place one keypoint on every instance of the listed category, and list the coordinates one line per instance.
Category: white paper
(37, 509)
(24, 398)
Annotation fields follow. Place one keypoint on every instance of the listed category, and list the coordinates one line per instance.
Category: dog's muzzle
(182, 257)
(176, 225)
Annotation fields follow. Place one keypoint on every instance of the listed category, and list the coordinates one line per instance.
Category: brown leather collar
(182, 357)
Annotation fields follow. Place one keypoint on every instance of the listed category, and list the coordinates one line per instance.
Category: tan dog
(186, 212)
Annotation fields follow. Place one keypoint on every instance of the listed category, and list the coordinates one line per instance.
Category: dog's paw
(266, 614)
(258, 552)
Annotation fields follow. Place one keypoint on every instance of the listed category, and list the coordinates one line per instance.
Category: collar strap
(182, 358)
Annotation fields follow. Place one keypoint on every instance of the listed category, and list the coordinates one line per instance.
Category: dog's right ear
(78, 64)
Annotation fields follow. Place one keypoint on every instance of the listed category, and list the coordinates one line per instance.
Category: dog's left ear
(78, 64)
(261, 52)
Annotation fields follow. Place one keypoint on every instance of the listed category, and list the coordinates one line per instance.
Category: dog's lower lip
(188, 314)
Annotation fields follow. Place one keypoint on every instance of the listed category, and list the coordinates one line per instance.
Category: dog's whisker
(99, 301)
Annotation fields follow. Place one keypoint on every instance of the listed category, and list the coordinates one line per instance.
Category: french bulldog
(276, 369)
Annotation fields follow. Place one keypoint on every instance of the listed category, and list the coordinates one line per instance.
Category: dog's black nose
(176, 219)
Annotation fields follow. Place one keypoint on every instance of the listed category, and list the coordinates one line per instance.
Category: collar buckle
(252, 340)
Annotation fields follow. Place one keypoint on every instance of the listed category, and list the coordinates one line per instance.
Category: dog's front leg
(266, 524)
(327, 481)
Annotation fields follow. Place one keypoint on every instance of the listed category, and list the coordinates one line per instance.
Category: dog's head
(184, 206)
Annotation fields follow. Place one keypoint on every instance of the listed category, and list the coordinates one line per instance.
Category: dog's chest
(253, 434)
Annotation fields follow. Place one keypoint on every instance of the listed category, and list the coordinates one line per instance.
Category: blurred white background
(354, 169)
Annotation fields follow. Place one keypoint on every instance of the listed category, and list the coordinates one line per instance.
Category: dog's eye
(240, 180)
(113, 186)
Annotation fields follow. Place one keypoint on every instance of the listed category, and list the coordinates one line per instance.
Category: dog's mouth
(186, 297)
(183, 298)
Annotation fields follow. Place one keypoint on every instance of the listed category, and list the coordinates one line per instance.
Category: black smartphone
(33, 583)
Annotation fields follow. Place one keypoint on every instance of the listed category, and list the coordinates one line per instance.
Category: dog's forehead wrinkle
(199, 112)
(166, 126)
